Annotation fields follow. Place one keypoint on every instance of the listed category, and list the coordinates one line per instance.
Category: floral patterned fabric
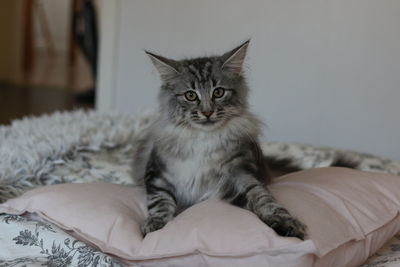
(35, 243)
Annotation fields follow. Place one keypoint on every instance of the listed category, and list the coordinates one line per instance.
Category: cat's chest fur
(194, 171)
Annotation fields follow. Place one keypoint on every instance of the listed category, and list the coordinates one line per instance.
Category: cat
(205, 144)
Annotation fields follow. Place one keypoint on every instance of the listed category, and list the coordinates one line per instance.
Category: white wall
(321, 72)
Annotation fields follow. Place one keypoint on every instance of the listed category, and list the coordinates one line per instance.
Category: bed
(86, 146)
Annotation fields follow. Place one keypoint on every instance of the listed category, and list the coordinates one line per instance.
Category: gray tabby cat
(205, 144)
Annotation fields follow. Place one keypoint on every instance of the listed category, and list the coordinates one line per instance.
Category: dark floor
(51, 84)
(20, 101)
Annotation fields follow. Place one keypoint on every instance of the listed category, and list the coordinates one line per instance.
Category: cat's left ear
(166, 67)
(233, 60)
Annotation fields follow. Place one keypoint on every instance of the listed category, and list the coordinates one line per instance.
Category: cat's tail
(283, 159)
(279, 166)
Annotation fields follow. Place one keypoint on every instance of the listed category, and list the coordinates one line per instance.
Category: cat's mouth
(208, 122)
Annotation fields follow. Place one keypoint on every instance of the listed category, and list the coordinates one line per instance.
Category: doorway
(52, 70)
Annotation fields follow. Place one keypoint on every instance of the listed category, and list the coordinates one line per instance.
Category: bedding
(82, 147)
(344, 210)
(387, 256)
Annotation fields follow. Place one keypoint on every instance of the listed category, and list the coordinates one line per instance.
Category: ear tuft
(167, 68)
(233, 60)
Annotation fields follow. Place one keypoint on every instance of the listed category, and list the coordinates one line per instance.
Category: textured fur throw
(89, 146)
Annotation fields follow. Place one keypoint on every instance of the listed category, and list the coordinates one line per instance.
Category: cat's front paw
(286, 225)
(152, 224)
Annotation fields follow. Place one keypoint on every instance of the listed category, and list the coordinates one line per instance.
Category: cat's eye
(191, 95)
(219, 92)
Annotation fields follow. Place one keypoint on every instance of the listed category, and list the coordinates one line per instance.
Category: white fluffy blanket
(59, 148)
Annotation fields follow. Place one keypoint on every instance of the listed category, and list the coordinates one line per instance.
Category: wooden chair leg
(72, 49)
(28, 49)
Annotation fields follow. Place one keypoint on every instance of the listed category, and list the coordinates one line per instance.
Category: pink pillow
(345, 211)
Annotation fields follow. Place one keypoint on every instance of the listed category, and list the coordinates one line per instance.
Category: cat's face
(203, 93)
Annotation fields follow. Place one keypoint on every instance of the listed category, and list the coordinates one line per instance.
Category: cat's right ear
(167, 68)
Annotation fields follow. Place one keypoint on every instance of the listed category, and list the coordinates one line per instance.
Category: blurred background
(321, 72)
(48, 54)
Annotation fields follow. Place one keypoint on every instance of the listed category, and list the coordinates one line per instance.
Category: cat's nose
(207, 113)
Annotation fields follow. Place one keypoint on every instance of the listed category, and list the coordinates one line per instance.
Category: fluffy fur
(205, 144)
(62, 148)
